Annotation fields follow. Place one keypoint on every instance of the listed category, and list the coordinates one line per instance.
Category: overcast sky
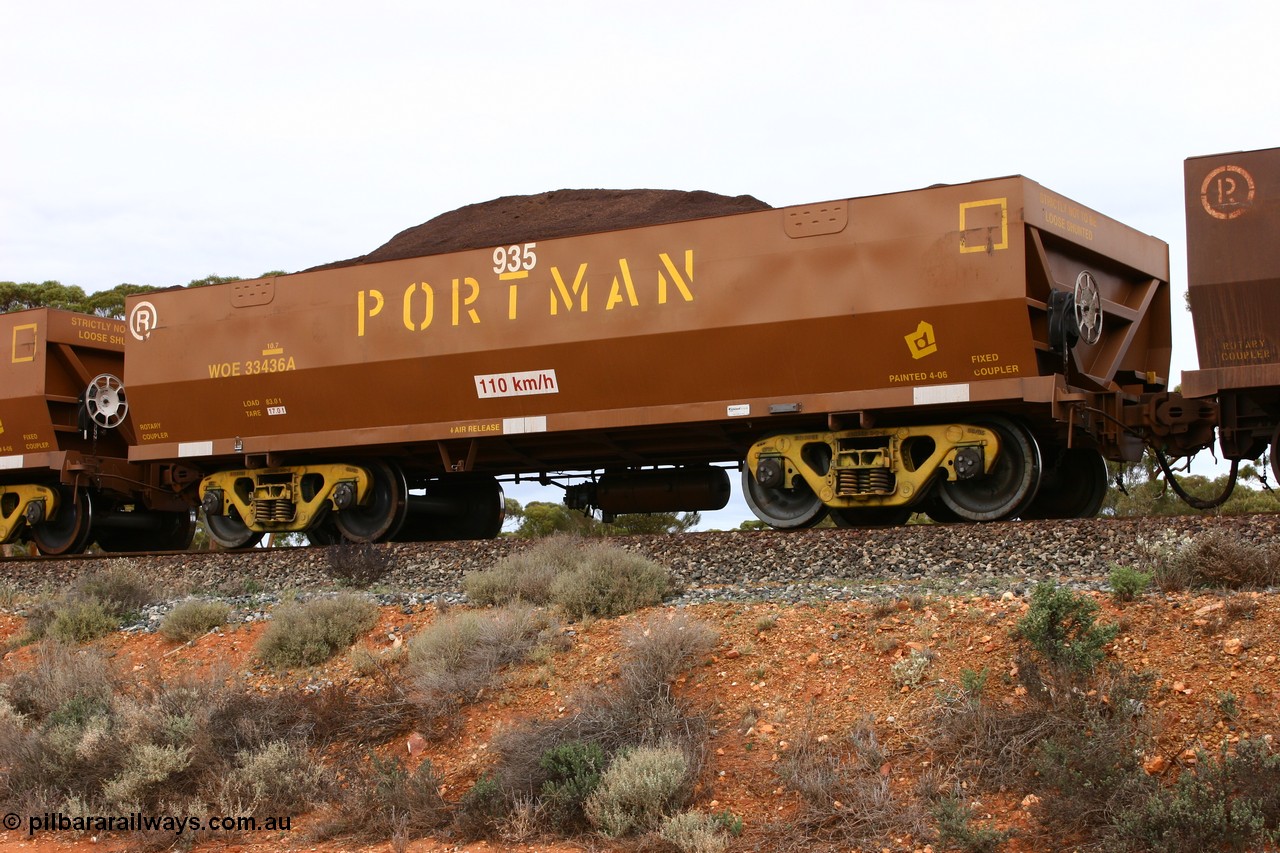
(158, 142)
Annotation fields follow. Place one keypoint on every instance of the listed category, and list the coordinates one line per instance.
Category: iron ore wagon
(973, 351)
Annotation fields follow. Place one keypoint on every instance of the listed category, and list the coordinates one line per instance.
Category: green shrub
(481, 808)
(276, 778)
(638, 790)
(1128, 583)
(1060, 627)
(572, 772)
(694, 832)
(1088, 765)
(595, 579)
(955, 827)
(461, 654)
(972, 683)
(525, 576)
(81, 621)
(1226, 803)
(610, 582)
(194, 618)
(311, 633)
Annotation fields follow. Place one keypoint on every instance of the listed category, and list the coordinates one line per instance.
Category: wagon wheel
(177, 531)
(872, 516)
(788, 509)
(383, 516)
(230, 532)
(939, 512)
(1073, 488)
(67, 532)
(476, 510)
(172, 531)
(484, 509)
(325, 531)
(1011, 484)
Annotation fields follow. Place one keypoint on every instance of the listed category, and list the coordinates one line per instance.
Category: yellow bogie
(287, 499)
(864, 468)
(16, 501)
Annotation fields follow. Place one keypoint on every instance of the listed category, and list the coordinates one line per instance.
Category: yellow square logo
(981, 223)
(24, 343)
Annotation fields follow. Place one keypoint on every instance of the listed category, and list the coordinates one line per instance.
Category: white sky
(158, 142)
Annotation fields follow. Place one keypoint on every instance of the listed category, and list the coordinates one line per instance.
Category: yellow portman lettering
(568, 292)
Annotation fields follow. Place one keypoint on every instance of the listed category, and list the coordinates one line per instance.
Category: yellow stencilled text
(567, 291)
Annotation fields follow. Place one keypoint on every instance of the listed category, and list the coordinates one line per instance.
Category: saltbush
(311, 633)
(694, 832)
(593, 579)
(638, 790)
(637, 711)
(610, 582)
(275, 778)
(94, 606)
(194, 618)
(462, 653)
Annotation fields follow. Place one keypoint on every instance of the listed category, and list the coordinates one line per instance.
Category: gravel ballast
(714, 565)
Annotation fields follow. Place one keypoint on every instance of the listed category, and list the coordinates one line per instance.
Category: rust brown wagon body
(972, 350)
(65, 478)
(1233, 278)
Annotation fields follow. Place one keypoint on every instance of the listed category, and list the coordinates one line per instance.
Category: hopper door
(1102, 324)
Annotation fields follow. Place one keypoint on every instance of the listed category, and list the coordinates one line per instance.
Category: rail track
(947, 558)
